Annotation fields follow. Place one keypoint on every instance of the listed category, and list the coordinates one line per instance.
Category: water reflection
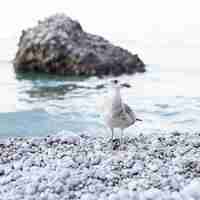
(57, 92)
(31, 76)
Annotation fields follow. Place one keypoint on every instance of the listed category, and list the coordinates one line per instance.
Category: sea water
(166, 97)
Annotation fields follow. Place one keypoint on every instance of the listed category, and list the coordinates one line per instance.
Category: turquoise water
(166, 98)
(44, 104)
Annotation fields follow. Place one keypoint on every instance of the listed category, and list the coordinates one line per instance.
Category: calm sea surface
(166, 97)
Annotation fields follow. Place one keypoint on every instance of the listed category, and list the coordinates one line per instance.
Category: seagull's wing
(129, 111)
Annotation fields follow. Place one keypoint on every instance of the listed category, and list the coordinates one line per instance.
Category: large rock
(59, 45)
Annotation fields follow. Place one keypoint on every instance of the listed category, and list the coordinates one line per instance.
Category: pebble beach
(100, 100)
(69, 166)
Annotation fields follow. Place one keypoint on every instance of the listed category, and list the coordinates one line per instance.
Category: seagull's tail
(137, 119)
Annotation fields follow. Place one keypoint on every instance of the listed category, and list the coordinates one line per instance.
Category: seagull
(120, 115)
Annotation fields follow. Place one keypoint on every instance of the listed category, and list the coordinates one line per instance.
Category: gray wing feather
(129, 111)
(117, 112)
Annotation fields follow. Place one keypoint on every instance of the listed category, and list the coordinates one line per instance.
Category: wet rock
(59, 45)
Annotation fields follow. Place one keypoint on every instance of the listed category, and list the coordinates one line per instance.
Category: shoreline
(70, 166)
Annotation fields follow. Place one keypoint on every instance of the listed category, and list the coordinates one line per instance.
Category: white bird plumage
(119, 115)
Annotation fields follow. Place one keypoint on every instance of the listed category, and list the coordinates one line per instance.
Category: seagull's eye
(115, 81)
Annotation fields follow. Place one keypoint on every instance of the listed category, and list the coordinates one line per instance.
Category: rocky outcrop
(59, 45)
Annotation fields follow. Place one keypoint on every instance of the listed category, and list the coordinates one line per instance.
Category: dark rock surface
(59, 45)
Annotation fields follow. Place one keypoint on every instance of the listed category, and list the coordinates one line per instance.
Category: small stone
(31, 188)
(95, 160)
(132, 185)
(59, 188)
(137, 168)
(193, 189)
(124, 194)
(2, 172)
(74, 182)
(114, 197)
(152, 194)
(88, 196)
(43, 196)
(153, 167)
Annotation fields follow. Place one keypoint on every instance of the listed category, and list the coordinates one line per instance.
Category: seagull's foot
(123, 146)
(115, 144)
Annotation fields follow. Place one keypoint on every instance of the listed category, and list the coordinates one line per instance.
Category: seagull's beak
(125, 85)
(137, 119)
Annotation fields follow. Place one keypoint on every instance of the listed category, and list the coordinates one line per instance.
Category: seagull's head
(116, 84)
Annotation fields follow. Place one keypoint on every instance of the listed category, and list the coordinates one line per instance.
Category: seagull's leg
(112, 131)
(121, 139)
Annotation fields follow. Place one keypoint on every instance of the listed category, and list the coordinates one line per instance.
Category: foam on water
(166, 99)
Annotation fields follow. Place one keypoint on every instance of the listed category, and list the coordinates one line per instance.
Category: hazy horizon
(146, 28)
(134, 20)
